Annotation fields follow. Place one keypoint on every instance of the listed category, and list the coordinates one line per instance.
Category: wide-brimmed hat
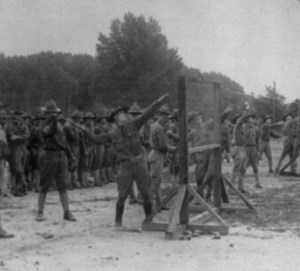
(236, 117)
(192, 115)
(119, 109)
(50, 107)
(2, 105)
(250, 114)
(174, 114)
(76, 115)
(286, 115)
(89, 115)
(267, 117)
(4, 114)
(26, 116)
(164, 109)
(135, 109)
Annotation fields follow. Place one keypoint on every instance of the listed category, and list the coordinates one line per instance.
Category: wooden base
(175, 227)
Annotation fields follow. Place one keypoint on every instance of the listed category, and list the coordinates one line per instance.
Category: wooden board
(203, 148)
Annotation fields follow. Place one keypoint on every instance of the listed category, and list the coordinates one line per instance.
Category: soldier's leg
(124, 184)
(61, 183)
(48, 168)
(156, 175)
(143, 180)
(287, 146)
(242, 169)
(268, 153)
(237, 162)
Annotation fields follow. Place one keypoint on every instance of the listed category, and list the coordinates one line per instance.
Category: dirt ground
(266, 240)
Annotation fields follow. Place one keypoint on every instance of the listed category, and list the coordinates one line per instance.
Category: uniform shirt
(158, 138)
(251, 135)
(290, 129)
(73, 134)
(238, 132)
(125, 139)
(53, 136)
(17, 129)
(267, 132)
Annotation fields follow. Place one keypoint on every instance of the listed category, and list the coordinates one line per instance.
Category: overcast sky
(253, 42)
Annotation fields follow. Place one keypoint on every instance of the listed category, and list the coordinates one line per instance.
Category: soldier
(17, 137)
(74, 138)
(35, 146)
(27, 119)
(159, 148)
(129, 154)
(4, 151)
(266, 134)
(109, 155)
(199, 134)
(252, 146)
(238, 151)
(86, 152)
(135, 111)
(53, 162)
(3, 156)
(226, 128)
(290, 138)
(98, 153)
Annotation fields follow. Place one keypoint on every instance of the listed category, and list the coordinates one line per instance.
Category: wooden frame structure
(179, 219)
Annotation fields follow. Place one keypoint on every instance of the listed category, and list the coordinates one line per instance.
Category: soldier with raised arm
(126, 143)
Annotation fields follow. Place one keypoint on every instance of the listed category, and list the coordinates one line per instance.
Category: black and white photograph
(149, 135)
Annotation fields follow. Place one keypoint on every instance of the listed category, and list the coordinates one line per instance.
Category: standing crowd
(127, 145)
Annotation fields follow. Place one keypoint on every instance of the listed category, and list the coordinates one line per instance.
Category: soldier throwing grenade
(130, 157)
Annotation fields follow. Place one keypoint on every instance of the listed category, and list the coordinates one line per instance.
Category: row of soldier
(50, 147)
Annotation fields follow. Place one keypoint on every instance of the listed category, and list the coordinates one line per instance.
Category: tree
(135, 61)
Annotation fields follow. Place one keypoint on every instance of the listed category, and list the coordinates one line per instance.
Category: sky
(254, 42)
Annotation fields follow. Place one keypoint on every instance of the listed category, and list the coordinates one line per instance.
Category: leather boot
(64, 199)
(119, 215)
(41, 204)
(147, 209)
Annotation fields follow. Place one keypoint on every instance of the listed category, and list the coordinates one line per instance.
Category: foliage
(135, 61)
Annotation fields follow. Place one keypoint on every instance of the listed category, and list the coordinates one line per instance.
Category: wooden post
(183, 148)
(217, 140)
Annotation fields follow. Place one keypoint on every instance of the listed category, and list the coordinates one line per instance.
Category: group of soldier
(126, 146)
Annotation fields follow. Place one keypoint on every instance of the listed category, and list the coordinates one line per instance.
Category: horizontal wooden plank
(203, 148)
(174, 234)
(209, 229)
(201, 218)
(154, 226)
(233, 209)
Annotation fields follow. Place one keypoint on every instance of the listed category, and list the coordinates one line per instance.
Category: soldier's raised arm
(150, 111)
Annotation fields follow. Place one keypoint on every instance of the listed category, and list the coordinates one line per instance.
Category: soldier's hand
(163, 98)
(229, 108)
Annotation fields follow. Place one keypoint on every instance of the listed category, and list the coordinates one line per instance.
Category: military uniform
(226, 128)
(74, 138)
(238, 152)
(251, 149)
(17, 136)
(54, 160)
(265, 148)
(129, 154)
(290, 148)
(86, 152)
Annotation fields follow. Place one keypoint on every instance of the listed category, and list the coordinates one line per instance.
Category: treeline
(132, 63)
